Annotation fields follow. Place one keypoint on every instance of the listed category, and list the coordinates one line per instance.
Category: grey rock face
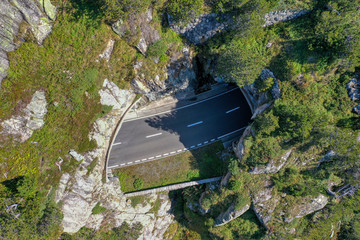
(356, 109)
(272, 167)
(12, 14)
(145, 37)
(178, 77)
(201, 29)
(282, 16)
(264, 204)
(22, 126)
(353, 88)
(230, 214)
(308, 205)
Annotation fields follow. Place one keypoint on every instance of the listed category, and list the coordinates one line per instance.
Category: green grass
(66, 68)
(192, 165)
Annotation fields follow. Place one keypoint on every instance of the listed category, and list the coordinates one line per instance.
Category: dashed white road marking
(178, 151)
(117, 143)
(194, 124)
(114, 166)
(154, 135)
(231, 110)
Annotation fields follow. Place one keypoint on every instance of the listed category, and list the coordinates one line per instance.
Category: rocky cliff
(81, 191)
(22, 15)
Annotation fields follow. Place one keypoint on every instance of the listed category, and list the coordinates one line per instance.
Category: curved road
(186, 128)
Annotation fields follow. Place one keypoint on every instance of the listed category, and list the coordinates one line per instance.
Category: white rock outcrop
(106, 54)
(81, 191)
(112, 95)
(23, 126)
(274, 17)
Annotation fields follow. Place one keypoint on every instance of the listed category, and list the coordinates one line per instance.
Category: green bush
(184, 10)
(157, 49)
(138, 183)
(235, 184)
(98, 209)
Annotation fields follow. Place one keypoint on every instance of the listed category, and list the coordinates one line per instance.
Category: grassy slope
(192, 165)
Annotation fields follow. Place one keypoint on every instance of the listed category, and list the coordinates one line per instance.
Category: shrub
(98, 209)
(138, 183)
(184, 10)
(157, 49)
(235, 185)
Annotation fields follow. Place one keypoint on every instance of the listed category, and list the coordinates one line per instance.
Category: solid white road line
(194, 124)
(231, 133)
(114, 166)
(192, 104)
(117, 143)
(234, 109)
(154, 135)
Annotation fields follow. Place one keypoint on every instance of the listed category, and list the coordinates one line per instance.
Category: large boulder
(264, 203)
(22, 126)
(230, 214)
(305, 206)
(274, 17)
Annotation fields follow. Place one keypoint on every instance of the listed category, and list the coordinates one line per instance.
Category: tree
(184, 10)
(115, 9)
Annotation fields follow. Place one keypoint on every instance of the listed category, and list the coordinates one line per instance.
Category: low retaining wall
(172, 187)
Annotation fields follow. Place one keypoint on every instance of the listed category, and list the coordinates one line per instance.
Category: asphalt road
(153, 137)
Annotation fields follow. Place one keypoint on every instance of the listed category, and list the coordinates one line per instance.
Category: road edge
(114, 134)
